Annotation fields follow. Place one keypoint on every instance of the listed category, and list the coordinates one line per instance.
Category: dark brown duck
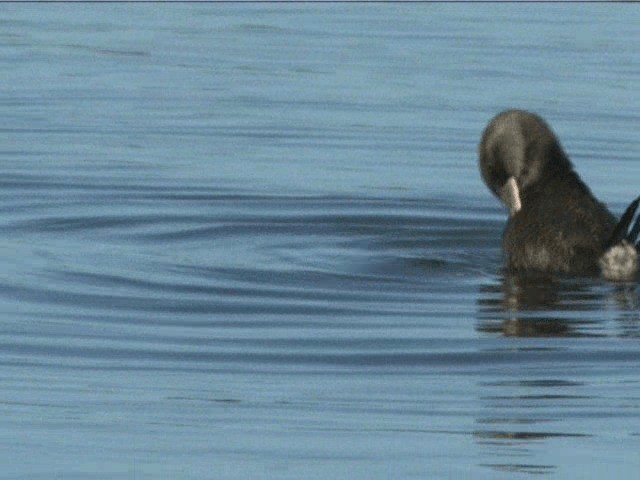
(556, 224)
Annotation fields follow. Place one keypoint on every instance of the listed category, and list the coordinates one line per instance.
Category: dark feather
(620, 232)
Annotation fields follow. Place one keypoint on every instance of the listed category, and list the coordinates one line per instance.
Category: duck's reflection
(532, 403)
(538, 305)
(518, 414)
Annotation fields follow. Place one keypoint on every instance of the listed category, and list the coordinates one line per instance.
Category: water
(251, 241)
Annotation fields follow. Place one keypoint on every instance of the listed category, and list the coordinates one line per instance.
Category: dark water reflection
(532, 405)
(533, 305)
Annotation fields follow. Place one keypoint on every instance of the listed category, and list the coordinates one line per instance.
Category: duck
(556, 224)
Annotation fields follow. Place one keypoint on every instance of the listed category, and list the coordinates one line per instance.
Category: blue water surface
(251, 241)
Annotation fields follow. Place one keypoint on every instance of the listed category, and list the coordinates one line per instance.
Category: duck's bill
(510, 196)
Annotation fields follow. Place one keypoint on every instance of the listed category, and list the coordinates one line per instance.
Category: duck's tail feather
(633, 233)
(620, 262)
(620, 259)
(620, 231)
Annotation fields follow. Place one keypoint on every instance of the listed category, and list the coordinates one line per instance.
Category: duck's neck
(556, 182)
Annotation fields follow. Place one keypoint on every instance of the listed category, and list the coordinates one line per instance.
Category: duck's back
(561, 228)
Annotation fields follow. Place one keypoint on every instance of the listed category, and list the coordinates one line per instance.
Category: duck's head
(518, 150)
